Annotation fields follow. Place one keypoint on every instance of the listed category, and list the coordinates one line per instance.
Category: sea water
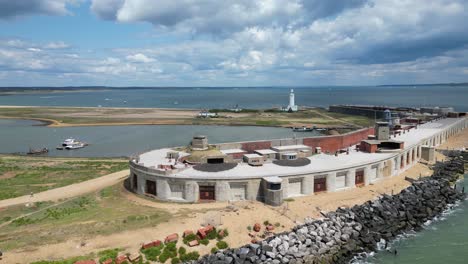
(115, 141)
(251, 97)
(443, 240)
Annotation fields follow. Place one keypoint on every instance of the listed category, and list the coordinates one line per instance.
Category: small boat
(37, 151)
(302, 129)
(71, 143)
(76, 145)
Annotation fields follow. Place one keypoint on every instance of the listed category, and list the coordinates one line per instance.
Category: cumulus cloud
(139, 57)
(277, 42)
(383, 32)
(199, 15)
(359, 31)
(13, 8)
(107, 9)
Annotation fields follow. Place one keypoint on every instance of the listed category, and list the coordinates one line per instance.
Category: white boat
(302, 129)
(76, 145)
(69, 141)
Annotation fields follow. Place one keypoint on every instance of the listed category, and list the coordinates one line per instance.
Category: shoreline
(54, 123)
(56, 116)
(104, 107)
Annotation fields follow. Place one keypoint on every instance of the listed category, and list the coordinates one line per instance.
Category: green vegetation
(213, 250)
(289, 200)
(108, 254)
(267, 117)
(64, 261)
(225, 234)
(190, 256)
(55, 213)
(232, 111)
(204, 241)
(212, 234)
(189, 238)
(273, 110)
(169, 251)
(222, 245)
(25, 175)
(100, 213)
(182, 251)
(363, 121)
(152, 253)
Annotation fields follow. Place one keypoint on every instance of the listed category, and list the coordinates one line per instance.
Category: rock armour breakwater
(342, 234)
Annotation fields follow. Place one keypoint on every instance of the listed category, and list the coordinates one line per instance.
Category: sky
(232, 43)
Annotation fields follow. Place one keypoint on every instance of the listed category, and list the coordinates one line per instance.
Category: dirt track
(69, 191)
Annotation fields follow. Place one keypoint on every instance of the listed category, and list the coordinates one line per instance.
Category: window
(274, 186)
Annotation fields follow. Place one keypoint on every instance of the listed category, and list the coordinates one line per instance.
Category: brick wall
(251, 146)
(327, 143)
(334, 143)
(237, 155)
(366, 147)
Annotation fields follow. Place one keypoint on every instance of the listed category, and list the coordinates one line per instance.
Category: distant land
(429, 84)
(74, 88)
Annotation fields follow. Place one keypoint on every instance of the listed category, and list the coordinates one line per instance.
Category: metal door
(320, 184)
(207, 193)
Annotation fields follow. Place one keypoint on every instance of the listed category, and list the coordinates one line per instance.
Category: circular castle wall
(268, 182)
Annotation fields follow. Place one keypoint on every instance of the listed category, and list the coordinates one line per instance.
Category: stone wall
(348, 231)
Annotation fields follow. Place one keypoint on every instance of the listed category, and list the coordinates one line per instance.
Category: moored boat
(76, 145)
(71, 143)
(68, 141)
(37, 151)
(302, 129)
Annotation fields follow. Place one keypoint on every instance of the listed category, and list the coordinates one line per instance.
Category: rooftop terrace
(318, 163)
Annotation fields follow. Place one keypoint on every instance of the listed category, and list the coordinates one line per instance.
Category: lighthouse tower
(292, 105)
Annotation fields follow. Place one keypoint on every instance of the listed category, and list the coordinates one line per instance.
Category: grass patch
(268, 123)
(190, 256)
(152, 253)
(222, 245)
(86, 216)
(265, 117)
(33, 175)
(108, 254)
(64, 261)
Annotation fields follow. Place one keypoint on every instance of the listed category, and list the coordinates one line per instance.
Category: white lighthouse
(292, 105)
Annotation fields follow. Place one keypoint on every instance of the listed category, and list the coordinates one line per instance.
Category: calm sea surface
(114, 141)
(257, 97)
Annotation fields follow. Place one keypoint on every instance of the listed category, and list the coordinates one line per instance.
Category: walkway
(69, 191)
